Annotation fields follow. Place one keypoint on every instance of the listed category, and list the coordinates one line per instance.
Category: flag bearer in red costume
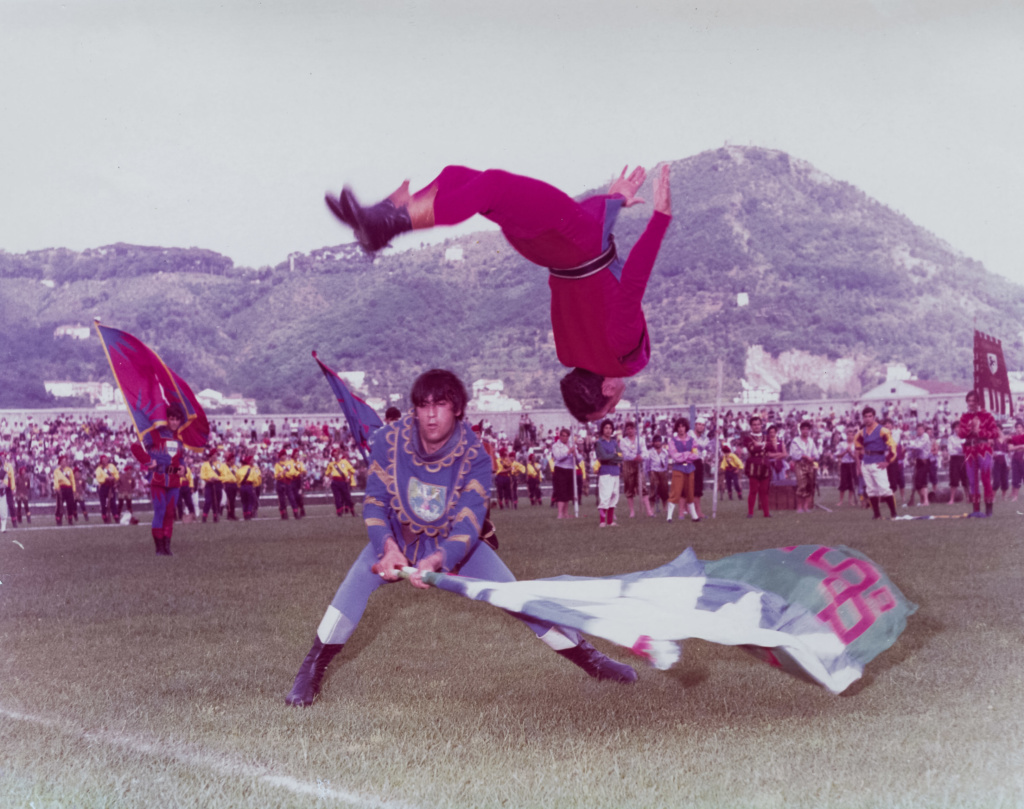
(596, 313)
(978, 429)
(161, 455)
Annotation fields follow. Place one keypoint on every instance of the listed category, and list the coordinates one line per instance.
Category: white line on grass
(219, 763)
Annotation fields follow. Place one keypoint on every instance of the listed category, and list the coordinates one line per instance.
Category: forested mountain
(827, 270)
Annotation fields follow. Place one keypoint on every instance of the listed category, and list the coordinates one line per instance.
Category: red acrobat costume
(597, 319)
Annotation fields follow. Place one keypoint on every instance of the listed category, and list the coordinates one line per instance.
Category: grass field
(130, 680)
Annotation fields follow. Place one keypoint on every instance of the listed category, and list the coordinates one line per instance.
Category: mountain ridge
(826, 269)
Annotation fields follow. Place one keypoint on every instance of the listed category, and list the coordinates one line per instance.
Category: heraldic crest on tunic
(428, 502)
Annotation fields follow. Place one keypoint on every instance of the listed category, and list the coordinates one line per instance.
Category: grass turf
(130, 680)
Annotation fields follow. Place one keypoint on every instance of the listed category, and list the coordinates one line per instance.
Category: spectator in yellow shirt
(209, 474)
(342, 475)
(283, 475)
(249, 478)
(106, 484)
(732, 466)
(229, 477)
(64, 486)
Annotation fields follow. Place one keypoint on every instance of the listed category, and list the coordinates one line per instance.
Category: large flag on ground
(362, 419)
(813, 611)
(990, 374)
(149, 386)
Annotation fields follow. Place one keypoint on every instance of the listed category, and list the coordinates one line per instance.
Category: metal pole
(575, 492)
(718, 440)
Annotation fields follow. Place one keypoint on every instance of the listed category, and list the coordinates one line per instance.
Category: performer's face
(174, 423)
(613, 388)
(972, 403)
(436, 421)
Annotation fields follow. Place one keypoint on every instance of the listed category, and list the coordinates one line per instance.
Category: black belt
(591, 267)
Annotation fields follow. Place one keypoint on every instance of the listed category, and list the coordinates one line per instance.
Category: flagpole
(575, 493)
(718, 440)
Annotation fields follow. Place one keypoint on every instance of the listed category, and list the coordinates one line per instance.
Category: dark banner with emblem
(990, 377)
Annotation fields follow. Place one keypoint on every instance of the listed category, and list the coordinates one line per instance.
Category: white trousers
(607, 491)
(876, 480)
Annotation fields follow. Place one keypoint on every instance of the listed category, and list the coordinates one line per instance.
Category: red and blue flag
(362, 419)
(149, 387)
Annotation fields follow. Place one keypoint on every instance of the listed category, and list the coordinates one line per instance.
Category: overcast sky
(220, 125)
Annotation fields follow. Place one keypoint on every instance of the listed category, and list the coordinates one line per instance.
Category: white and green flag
(813, 611)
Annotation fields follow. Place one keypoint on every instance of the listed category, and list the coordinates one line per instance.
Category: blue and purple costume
(425, 502)
(166, 449)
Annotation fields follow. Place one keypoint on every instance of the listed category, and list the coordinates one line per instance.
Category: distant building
(489, 397)
(915, 388)
(760, 394)
(100, 394)
(213, 399)
(74, 332)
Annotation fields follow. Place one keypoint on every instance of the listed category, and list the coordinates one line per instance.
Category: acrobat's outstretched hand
(662, 192)
(628, 186)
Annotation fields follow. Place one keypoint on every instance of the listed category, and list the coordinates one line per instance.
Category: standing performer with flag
(596, 312)
(161, 453)
(426, 502)
(167, 418)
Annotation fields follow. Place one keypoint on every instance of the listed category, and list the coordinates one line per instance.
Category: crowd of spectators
(829, 431)
(34, 445)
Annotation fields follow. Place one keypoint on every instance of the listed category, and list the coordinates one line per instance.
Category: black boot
(334, 203)
(376, 226)
(598, 665)
(891, 503)
(311, 673)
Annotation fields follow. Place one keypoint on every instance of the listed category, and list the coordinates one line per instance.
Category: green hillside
(827, 270)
